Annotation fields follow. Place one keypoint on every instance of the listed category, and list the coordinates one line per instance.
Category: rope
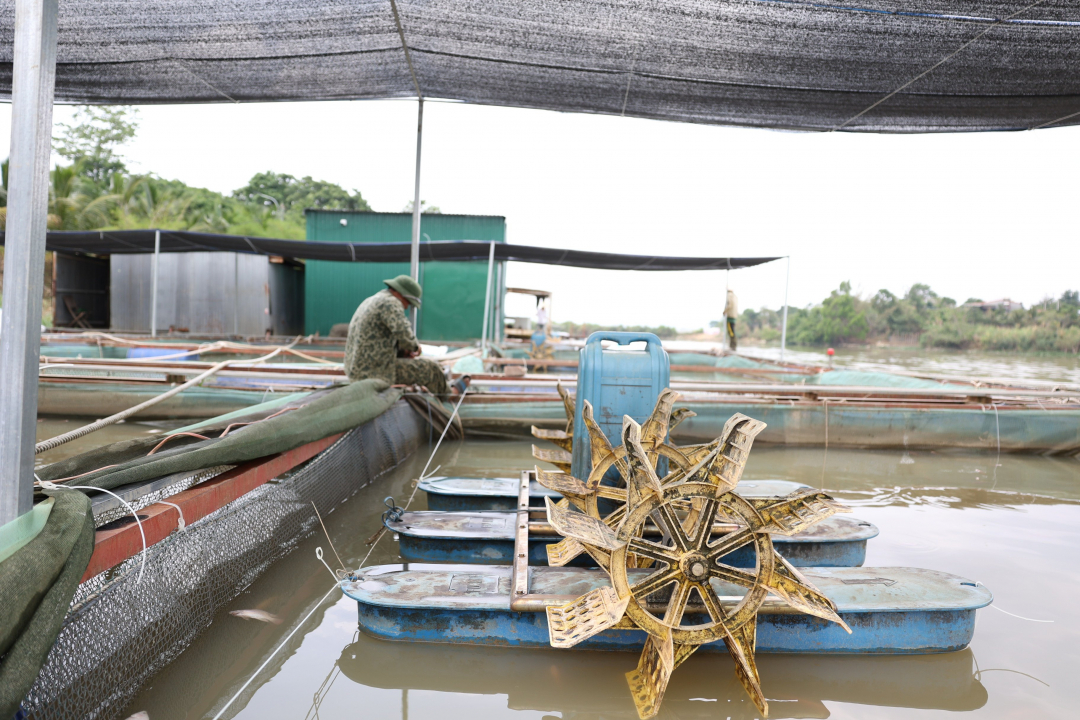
(59, 440)
(337, 585)
(46, 485)
(1019, 617)
(181, 524)
(825, 457)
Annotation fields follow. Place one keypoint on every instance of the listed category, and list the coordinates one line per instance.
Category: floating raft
(890, 610)
(465, 494)
(488, 538)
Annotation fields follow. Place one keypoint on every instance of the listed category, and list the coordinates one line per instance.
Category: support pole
(497, 309)
(33, 79)
(414, 258)
(236, 294)
(783, 325)
(487, 300)
(154, 284)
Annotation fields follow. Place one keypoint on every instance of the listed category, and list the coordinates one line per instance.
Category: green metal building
(453, 307)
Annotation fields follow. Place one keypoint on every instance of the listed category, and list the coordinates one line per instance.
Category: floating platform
(892, 611)
(487, 538)
(465, 494)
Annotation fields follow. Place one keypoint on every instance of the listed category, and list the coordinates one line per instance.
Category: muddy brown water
(1012, 524)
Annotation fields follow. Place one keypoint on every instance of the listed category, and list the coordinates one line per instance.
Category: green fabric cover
(332, 412)
(23, 529)
(871, 379)
(36, 587)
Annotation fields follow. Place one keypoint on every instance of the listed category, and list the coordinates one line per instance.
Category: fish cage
(127, 623)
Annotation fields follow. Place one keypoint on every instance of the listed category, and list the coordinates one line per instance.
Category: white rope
(181, 524)
(319, 555)
(46, 485)
(1019, 617)
(276, 650)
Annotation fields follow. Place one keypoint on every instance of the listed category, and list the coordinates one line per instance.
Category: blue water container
(617, 381)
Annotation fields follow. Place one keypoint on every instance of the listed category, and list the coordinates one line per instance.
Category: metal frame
(33, 80)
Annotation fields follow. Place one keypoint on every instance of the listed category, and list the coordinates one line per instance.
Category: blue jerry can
(617, 381)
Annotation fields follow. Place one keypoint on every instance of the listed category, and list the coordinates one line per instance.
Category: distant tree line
(96, 191)
(922, 315)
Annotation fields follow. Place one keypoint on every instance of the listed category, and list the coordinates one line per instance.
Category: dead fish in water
(141, 715)
(255, 615)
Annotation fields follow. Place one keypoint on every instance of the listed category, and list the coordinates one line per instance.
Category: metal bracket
(519, 578)
(394, 513)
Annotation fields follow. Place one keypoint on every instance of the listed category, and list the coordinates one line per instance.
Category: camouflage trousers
(420, 371)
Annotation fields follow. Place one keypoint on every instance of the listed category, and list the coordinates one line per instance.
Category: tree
(424, 208)
(284, 194)
(92, 138)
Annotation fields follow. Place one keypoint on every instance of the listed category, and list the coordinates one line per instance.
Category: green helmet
(409, 288)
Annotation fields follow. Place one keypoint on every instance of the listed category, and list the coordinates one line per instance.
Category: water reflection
(582, 684)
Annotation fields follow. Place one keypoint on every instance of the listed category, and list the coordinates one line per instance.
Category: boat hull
(890, 610)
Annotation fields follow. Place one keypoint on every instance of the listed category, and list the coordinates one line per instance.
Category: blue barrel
(617, 381)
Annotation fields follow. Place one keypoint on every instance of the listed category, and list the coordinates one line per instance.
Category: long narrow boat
(1042, 420)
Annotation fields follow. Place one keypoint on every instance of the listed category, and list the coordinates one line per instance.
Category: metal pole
(154, 284)
(497, 323)
(783, 326)
(414, 258)
(32, 81)
(487, 300)
(236, 295)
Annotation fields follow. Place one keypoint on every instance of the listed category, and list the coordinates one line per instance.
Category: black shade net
(108, 242)
(871, 65)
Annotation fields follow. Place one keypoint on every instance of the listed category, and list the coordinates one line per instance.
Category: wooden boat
(890, 610)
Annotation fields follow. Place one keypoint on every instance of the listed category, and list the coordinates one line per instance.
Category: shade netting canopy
(108, 242)
(871, 65)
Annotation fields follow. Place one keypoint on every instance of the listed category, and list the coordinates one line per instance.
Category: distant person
(731, 311)
(542, 317)
(381, 343)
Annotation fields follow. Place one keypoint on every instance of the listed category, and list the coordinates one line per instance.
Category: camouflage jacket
(377, 330)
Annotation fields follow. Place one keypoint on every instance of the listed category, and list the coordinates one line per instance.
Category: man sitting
(381, 343)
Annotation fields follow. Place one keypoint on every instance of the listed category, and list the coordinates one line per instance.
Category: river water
(1047, 367)
(1011, 523)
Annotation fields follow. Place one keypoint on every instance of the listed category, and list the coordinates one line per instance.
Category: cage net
(120, 631)
(922, 65)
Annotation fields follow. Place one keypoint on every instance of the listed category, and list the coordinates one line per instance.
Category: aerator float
(682, 559)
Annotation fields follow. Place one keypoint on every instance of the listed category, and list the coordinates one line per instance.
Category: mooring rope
(67, 437)
(337, 586)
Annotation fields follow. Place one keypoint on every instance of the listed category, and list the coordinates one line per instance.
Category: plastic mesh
(807, 64)
(120, 632)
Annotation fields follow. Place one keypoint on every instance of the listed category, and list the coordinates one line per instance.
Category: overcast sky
(973, 215)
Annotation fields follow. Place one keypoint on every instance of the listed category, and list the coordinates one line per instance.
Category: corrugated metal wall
(202, 292)
(453, 307)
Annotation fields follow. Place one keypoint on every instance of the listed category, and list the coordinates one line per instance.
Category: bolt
(698, 569)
